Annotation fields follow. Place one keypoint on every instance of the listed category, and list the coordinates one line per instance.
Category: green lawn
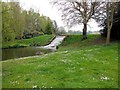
(36, 41)
(84, 66)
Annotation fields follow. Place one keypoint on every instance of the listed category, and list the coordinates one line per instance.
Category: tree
(18, 23)
(55, 27)
(109, 19)
(77, 12)
(49, 27)
(110, 6)
(115, 30)
(32, 25)
(7, 17)
(46, 25)
(13, 21)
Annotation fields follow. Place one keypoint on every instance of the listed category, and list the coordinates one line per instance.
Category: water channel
(22, 52)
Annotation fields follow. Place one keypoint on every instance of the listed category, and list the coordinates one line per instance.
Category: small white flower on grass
(35, 86)
(104, 78)
(64, 61)
(66, 51)
(14, 82)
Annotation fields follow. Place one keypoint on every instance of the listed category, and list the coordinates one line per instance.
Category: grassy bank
(75, 65)
(36, 41)
(74, 42)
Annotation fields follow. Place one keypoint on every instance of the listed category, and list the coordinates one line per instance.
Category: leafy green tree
(7, 31)
(47, 25)
(18, 23)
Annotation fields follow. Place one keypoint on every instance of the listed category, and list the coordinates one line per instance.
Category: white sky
(47, 9)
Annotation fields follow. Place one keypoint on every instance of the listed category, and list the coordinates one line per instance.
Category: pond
(22, 52)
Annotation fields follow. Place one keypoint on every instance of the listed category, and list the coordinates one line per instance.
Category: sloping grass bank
(74, 42)
(36, 41)
(92, 66)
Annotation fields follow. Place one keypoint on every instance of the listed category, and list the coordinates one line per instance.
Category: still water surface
(21, 52)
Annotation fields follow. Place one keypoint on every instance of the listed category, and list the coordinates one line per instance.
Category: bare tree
(110, 10)
(77, 12)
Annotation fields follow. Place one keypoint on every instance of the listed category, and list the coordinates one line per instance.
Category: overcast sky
(47, 9)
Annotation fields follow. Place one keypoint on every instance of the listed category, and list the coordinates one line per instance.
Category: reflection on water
(21, 52)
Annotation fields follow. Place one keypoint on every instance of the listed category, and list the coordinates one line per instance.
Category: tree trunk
(110, 14)
(108, 37)
(84, 32)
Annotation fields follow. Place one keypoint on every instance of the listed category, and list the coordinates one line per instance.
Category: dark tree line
(18, 23)
(115, 30)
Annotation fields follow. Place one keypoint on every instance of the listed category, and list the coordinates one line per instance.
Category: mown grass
(36, 41)
(90, 66)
